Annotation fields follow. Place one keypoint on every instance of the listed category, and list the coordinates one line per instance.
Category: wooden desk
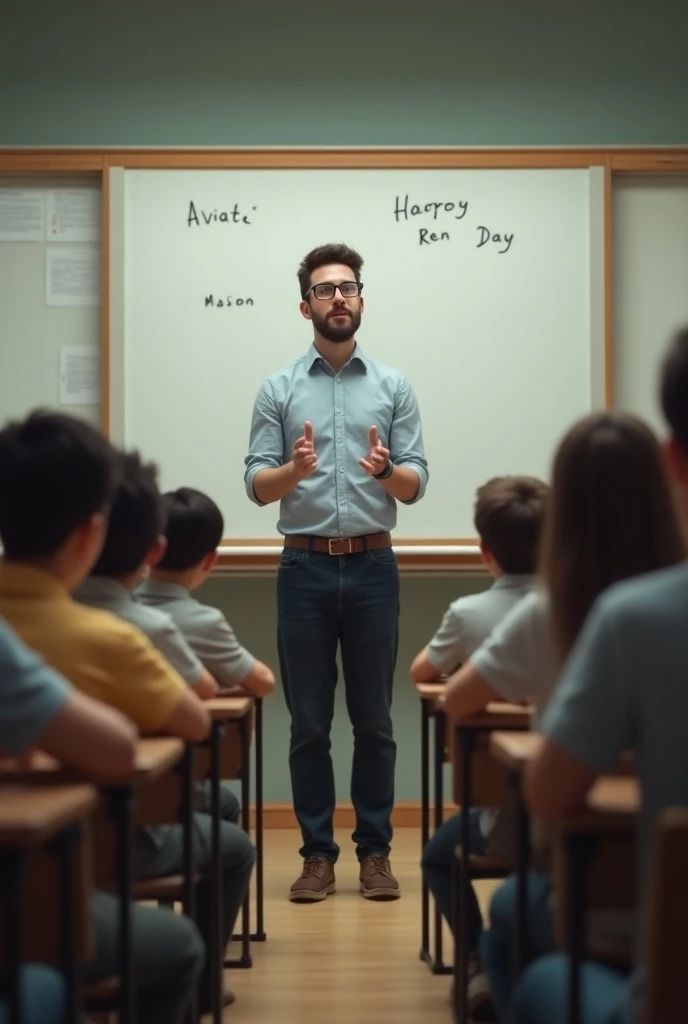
(30, 818)
(224, 710)
(611, 808)
(430, 709)
(496, 716)
(154, 757)
(259, 934)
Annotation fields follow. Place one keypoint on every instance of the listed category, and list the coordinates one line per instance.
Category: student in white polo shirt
(508, 517)
(193, 531)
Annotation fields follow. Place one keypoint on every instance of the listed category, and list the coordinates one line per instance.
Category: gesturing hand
(303, 453)
(377, 457)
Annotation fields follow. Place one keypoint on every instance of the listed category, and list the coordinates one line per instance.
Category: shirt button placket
(340, 459)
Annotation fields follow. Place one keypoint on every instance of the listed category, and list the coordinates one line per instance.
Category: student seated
(610, 517)
(40, 710)
(193, 530)
(508, 516)
(57, 480)
(133, 544)
(625, 687)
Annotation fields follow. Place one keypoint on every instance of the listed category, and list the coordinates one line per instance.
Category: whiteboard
(497, 337)
(650, 285)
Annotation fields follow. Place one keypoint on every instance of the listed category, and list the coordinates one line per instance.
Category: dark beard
(329, 329)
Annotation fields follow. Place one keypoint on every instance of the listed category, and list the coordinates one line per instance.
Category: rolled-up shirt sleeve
(406, 437)
(266, 442)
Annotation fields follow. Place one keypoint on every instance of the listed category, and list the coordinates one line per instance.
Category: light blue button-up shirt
(339, 499)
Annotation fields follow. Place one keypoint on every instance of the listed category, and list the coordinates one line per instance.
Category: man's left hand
(377, 457)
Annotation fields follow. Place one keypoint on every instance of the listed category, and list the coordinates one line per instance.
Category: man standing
(336, 438)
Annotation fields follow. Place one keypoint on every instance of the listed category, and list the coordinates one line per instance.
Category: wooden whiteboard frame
(461, 554)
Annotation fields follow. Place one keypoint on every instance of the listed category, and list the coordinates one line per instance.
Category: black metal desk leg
(259, 934)
(466, 741)
(216, 952)
(11, 879)
(245, 935)
(577, 850)
(122, 805)
(424, 824)
(522, 865)
(66, 847)
(245, 733)
(438, 753)
(186, 768)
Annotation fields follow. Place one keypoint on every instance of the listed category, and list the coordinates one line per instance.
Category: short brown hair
(334, 252)
(508, 516)
(611, 517)
(674, 388)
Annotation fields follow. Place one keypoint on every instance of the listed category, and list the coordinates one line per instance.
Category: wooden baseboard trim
(406, 814)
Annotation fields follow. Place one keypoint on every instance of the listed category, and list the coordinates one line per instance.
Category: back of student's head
(508, 516)
(56, 472)
(610, 516)
(136, 518)
(193, 529)
(674, 388)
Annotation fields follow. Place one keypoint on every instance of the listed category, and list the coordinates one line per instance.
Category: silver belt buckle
(347, 543)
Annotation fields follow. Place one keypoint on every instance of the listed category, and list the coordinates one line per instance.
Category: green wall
(250, 606)
(436, 72)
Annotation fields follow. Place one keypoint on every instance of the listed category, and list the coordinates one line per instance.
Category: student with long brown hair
(610, 518)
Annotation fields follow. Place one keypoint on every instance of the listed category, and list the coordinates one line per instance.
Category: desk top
(515, 749)
(29, 816)
(431, 691)
(228, 708)
(498, 715)
(612, 805)
(154, 757)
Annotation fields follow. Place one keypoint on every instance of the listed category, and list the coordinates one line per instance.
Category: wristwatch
(386, 472)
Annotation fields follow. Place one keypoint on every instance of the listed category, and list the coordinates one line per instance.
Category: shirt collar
(313, 357)
(20, 580)
(163, 588)
(511, 580)
(102, 588)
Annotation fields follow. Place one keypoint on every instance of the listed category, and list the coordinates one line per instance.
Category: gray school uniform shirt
(110, 596)
(470, 620)
(519, 659)
(625, 686)
(204, 628)
(465, 625)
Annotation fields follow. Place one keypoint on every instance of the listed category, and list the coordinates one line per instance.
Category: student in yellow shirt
(57, 479)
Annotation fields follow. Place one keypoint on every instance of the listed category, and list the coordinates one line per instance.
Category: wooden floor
(346, 960)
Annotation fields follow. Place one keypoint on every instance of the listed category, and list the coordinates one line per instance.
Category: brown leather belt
(340, 545)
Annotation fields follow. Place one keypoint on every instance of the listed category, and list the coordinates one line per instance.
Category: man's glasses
(347, 290)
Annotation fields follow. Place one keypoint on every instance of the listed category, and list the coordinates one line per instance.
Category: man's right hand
(303, 454)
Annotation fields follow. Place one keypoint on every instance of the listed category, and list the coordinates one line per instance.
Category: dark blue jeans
(438, 864)
(324, 601)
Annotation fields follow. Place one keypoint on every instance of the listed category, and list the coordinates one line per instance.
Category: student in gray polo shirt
(133, 544)
(193, 530)
(508, 517)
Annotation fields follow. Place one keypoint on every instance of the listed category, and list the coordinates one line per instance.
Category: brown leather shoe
(315, 882)
(377, 880)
